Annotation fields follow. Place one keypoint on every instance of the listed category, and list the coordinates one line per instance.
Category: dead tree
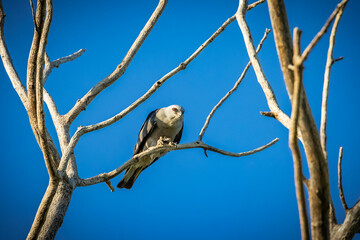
(323, 222)
(62, 167)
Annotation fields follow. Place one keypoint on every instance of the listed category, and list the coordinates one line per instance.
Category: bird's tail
(130, 177)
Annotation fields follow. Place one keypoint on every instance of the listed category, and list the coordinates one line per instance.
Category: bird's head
(175, 112)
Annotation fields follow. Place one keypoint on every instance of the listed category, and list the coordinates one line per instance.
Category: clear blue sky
(184, 195)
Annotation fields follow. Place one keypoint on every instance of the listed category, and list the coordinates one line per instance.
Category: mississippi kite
(164, 123)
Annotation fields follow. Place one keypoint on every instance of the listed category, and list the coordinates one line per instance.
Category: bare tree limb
(323, 30)
(40, 114)
(32, 63)
(42, 211)
(50, 65)
(8, 64)
(325, 95)
(260, 75)
(120, 69)
(227, 95)
(293, 143)
(341, 190)
(165, 148)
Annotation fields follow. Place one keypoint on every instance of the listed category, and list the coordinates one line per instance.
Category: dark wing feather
(178, 136)
(146, 129)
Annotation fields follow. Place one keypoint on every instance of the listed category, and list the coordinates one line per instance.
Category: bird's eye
(175, 109)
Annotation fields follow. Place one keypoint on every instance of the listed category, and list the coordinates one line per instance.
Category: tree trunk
(52, 210)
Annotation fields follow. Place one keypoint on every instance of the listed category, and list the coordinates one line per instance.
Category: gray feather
(146, 129)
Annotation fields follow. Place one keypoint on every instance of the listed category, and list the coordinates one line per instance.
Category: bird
(165, 125)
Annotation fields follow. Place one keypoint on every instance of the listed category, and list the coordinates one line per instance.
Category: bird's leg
(165, 140)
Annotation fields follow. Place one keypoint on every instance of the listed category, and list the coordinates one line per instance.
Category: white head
(172, 115)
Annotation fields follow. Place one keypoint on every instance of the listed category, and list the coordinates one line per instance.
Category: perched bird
(164, 124)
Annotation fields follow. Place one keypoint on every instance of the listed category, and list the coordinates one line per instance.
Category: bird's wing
(146, 129)
(178, 136)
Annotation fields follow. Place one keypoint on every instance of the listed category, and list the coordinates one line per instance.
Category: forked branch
(50, 65)
(325, 94)
(323, 30)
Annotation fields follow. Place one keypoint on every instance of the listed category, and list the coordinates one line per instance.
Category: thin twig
(166, 148)
(251, 6)
(267, 114)
(325, 94)
(293, 143)
(322, 31)
(108, 183)
(227, 95)
(337, 59)
(341, 190)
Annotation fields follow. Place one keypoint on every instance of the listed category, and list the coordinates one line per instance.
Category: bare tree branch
(237, 83)
(40, 114)
(260, 75)
(341, 190)
(293, 143)
(32, 63)
(56, 63)
(8, 64)
(323, 30)
(325, 95)
(42, 211)
(120, 69)
(165, 148)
